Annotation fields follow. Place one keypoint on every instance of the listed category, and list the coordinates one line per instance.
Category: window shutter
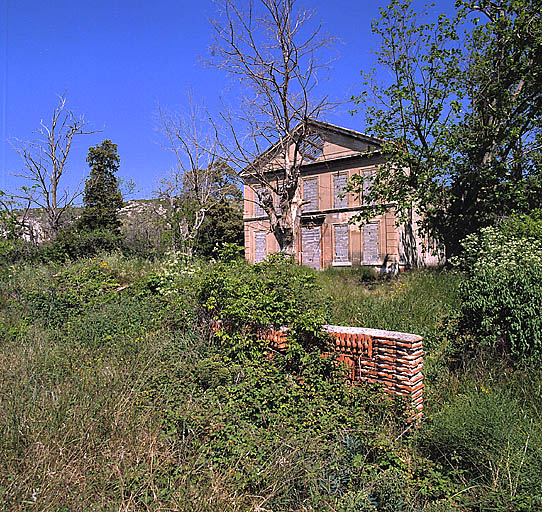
(258, 210)
(339, 183)
(367, 184)
(370, 244)
(310, 242)
(340, 237)
(260, 246)
(310, 194)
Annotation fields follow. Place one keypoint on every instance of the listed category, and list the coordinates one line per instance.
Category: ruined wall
(393, 359)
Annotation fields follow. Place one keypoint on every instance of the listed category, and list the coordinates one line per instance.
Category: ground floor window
(341, 247)
(310, 245)
(260, 246)
(370, 244)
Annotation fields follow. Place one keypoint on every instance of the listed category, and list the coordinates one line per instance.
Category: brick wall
(393, 359)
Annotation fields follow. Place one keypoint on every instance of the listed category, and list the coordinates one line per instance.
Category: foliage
(73, 243)
(102, 197)
(299, 396)
(273, 294)
(501, 299)
(523, 225)
(199, 182)
(115, 395)
(460, 116)
(412, 112)
(223, 224)
(417, 302)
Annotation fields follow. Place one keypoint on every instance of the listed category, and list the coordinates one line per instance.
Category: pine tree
(102, 197)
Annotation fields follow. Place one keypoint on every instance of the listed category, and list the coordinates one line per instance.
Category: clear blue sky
(117, 59)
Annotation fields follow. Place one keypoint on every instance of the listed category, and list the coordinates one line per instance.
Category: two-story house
(326, 237)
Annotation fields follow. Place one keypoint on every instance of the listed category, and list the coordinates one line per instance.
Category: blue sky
(117, 60)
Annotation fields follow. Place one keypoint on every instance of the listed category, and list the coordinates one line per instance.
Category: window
(260, 249)
(258, 210)
(310, 194)
(278, 209)
(280, 187)
(370, 244)
(341, 245)
(310, 245)
(339, 184)
(367, 184)
(312, 147)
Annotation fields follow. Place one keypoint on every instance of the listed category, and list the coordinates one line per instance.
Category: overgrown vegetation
(115, 394)
(142, 383)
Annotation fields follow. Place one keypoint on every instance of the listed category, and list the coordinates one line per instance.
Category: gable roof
(322, 125)
(317, 126)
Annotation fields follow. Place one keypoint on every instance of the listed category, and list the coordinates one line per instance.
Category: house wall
(392, 247)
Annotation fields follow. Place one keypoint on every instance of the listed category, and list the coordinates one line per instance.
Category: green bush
(501, 299)
(73, 243)
(274, 428)
(113, 394)
(272, 294)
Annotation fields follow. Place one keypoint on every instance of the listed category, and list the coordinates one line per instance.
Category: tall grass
(414, 302)
(119, 401)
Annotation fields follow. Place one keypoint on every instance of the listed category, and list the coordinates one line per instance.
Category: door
(310, 245)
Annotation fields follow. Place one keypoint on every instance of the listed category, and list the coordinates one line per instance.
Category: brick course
(393, 359)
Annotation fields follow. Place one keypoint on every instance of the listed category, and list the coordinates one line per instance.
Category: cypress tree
(102, 196)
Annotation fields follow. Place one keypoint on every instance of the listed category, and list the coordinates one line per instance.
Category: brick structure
(325, 236)
(393, 359)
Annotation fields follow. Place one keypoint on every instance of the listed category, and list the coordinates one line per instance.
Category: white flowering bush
(501, 299)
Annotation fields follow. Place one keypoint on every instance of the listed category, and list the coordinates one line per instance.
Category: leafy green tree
(223, 225)
(460, 116)
(102, 197)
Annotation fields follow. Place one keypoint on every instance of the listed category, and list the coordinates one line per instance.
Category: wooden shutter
(260, 246)
(339, 183)
(310, 194)
(370, 244)
(367, 184)
(341, 246)
(258, 210)
(310, 244)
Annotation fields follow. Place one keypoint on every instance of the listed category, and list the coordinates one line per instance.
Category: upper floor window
(367, 184)
(258, 210)
(339, 195)
(310, 194)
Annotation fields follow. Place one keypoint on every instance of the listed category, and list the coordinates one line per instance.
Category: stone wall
(393, 359)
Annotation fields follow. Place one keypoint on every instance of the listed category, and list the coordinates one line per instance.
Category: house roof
(345, 131)
(318, 126)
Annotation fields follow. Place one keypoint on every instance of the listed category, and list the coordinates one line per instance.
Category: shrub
(272, 294)
(73, 243)
(501, 299)
(271, 423)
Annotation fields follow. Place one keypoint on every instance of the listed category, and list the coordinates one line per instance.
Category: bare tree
(199, 179)
(45, 161)
(276, 52)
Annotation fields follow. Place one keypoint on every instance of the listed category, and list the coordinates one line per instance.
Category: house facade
(326, 237)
